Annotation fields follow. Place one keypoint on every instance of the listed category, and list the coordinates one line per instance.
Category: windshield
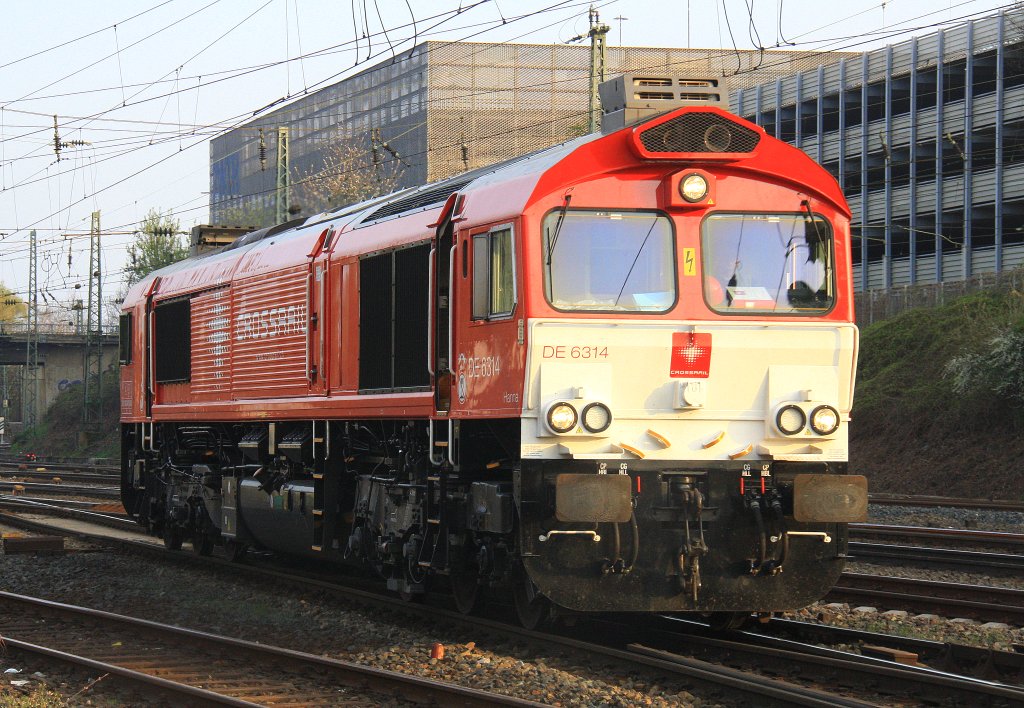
(609, 261)
(780, 263)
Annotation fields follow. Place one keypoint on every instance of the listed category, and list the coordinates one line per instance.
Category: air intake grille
(699, 132)
(417, 200)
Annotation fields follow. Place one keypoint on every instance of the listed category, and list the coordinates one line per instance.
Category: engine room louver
(417, 200)
(700, 132)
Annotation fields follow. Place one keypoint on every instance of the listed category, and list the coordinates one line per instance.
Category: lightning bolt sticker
(689, 261)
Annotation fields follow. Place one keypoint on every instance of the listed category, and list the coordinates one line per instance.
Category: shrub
(996, 369)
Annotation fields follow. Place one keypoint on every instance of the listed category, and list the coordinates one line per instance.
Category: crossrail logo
(691, 355)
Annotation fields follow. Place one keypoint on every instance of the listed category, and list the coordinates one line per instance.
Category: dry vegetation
(939, 407)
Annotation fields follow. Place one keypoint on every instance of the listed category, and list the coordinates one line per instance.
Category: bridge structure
(61, 362)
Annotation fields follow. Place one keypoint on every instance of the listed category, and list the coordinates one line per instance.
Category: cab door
(318, 313)
(442, 305)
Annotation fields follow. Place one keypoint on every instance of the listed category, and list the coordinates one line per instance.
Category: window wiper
(806, 203)
(558, 228)
(625, 282)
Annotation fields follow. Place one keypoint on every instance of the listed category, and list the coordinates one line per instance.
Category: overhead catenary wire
(558, 4)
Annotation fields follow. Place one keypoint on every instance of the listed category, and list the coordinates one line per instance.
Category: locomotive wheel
(172, 538)
(726, 621)
(532, 608)
(202, 544)
(235, 550)
(465, 592)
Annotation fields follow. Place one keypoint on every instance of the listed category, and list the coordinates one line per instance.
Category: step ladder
(326, 490)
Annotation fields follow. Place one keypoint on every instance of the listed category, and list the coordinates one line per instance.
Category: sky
(140, 86)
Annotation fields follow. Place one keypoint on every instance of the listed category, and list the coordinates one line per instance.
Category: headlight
(693, 188)
(825, 420)
(562, 417)
(596, 417)
(790, 420)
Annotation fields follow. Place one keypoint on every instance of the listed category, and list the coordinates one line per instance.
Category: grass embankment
(939, 407)
(62, 432)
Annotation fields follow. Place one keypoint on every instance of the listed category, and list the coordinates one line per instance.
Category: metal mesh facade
(926, 137)
(448, 107)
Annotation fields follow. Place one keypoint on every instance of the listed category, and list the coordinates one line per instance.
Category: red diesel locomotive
(613, 375)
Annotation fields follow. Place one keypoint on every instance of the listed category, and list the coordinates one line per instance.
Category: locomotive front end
(689, 383)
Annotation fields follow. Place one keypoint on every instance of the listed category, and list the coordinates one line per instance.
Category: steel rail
(275, 659)
(972, 536)
(981, 602)
(981, 662)
(15, 461)
(934, 556)
(73, 477)
(51, 509)
(63, 489)
(922, 500)
(845, 668)
(153, 682)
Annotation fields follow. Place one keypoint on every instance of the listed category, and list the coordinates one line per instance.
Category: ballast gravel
(210, 602)
(947, 517)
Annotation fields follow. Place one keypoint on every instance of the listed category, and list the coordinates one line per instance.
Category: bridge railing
(21, 329)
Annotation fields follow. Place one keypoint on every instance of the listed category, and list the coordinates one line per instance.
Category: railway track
(935, 557)
(979, 602)
(61, 489)
(960, 537)
(63, 465)
(69, 476)
(841, 670)
(189, 665)
(703, 664)
(758, 688)
(960, 503)
(69, 509)
(980, 662)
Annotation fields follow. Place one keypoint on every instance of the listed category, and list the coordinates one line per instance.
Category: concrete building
(443, 108)
(926, 138)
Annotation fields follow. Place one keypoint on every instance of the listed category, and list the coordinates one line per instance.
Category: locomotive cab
(691, 359)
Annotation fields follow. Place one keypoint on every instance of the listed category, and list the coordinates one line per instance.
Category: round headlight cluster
(693, 187)
(562, 417)
(790, 420)
(824, 420)
(595, 418)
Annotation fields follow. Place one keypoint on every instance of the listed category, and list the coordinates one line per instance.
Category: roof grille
(699, 132)
(417, 200)
(632, 97)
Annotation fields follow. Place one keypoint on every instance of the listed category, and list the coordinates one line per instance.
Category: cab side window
(494, 290)
(125, 339)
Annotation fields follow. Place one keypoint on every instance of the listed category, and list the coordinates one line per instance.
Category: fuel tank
(281, 520)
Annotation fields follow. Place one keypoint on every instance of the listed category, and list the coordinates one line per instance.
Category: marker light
(825, 420)
(790, 420)
(596, 417)
(693, 187)
(562, 417)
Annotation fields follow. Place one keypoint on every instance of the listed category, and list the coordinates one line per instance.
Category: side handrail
(309, 333)
(451, 309)
(431, 302)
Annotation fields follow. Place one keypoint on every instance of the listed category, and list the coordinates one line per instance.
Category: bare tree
(240, 212)
(351, 173)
